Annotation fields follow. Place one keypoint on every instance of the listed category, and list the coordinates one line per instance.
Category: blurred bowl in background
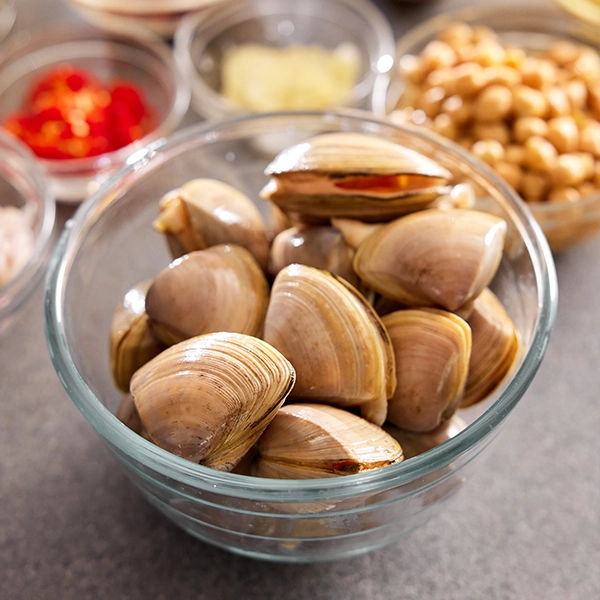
(534, 28)
(148, 65)
(8, 14)
(25, 243)
(139, 17)
(343, 35)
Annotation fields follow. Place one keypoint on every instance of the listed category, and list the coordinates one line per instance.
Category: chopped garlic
(262, 79)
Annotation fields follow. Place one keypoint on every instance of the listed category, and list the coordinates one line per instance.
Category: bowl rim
(125, 442)
(14, 293)
(157, 49)
(213, 15)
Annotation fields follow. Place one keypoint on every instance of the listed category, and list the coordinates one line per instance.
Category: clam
(319, 247)
(221, 288)
(416, 442)
(432, 348)
(496, 344)
(128, 415)
(355, 232)
(306, 441)
(209, 398)
(208, 212)
(132, 342)
(353, 175)
(340, 349)
(435, 257)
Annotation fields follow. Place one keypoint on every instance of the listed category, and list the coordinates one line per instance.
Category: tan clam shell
(221, 288)
(432, 348)
(416, 442)
(319, 247)
(306, 441)
(207, 212)
(209, 398)
(496, 345)
(433, 257)
(353, 175)
(132, 342)
(355, 232)
(339, 347)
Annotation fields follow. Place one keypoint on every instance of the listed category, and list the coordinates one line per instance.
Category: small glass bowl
(148, 64)
(139, 17)
(23, 185)
(532, 26)
(202, 40)
(110, 245)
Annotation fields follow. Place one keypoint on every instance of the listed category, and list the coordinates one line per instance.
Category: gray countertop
(527, 526)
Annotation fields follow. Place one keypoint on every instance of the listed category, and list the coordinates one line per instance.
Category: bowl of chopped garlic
(518, 85)
(258, 56)
(27, 211)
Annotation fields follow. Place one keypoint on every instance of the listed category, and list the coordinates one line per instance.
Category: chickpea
(562, 52)
(594, 100)
(576, 92)
(538, 73)
(587, 65)
(431, 101)
(515, 57)
(540, 154)
(412, 68)
(470, 78)
(569, 171)
(437, 54)
(502, 75)
(489, 151)
(457, 35)
(515, 154)
(443, 78)
(481, 33)
(534, 185)
(494, 131)
(493, 103)
(587, 188)
(596, 177)
(563, 133)
(525, 127)
(466, 141)
(588, 161)
(558, 102)
(564, 194)
(444, 125)
(528, 101)
(589, 139)
(511, 172)
(487, 52)
(458, 110)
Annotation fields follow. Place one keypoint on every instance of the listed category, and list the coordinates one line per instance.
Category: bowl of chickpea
(518, 85)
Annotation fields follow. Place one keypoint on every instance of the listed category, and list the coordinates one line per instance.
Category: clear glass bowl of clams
(305, 351)
(519, 86)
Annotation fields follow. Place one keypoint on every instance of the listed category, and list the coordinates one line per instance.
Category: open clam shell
(221, 288)
(353, 175)
(434, 257)
(209, 398)
(207, 212)
(306, 441)
(340, 349)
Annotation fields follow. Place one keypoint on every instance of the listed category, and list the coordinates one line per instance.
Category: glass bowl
(148, 64)
(532, 26)
(203, 41)
(110, 244)
(23, 186)
(140, 17)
